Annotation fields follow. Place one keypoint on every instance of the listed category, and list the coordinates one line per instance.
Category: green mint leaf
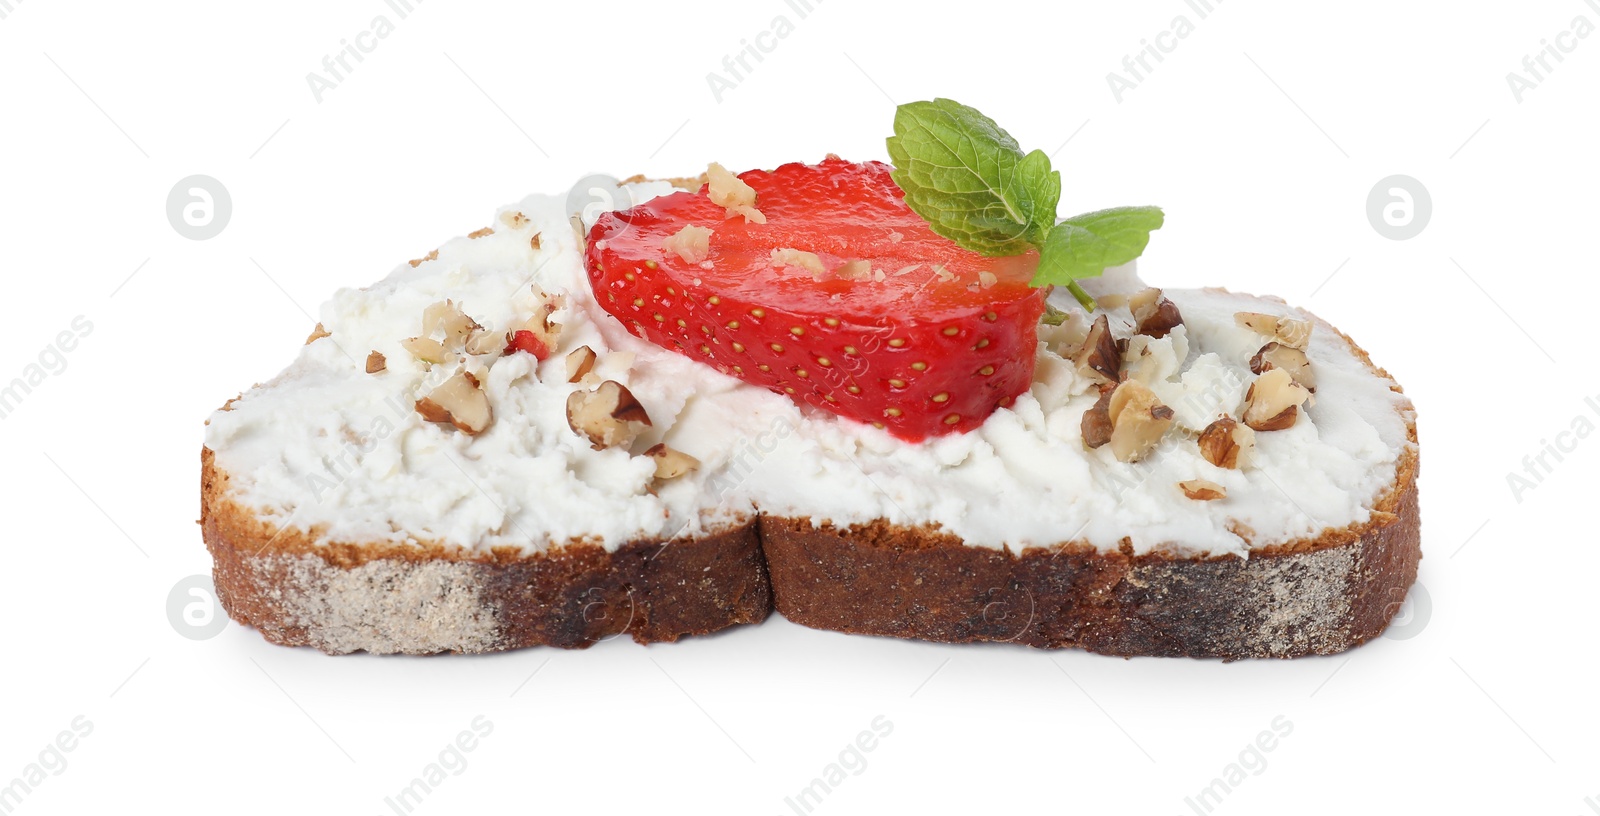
(1044, 186)
(970, 179)
(1086, 245)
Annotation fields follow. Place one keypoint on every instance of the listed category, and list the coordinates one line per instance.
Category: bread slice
(419, 481)
(432, 598)
(1314, 595)
(340, 515)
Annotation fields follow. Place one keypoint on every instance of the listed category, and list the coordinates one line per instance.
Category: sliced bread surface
(1273, 597)
(345, 513)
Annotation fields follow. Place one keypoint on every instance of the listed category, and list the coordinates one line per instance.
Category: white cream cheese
(328, 448)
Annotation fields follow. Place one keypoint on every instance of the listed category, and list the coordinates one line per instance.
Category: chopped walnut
(607, 416)
(1138, 421)
(1099, 359)
(808, 261)
(1293, 360)
(692, 243)
(1203, 490)
(460, 402)
(1154, 314)
(1228, 444)
(1096, 423)
(728, 191)
(1274, 400)
(670, 463)
(376, 362)
(1289, 331)
(426, 349)
(446, 318)
(579, 363)
(317, 334)
(484, 342)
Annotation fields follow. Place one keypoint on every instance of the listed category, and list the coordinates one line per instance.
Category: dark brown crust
(572, 596)
(1314, 596)
(880, 580)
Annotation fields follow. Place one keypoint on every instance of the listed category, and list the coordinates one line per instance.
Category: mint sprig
(971, 181)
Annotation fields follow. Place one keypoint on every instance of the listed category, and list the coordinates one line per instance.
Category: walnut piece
(547, 331)
(1293, 360)
(1285, 330)
(484, 342)
(692, 243)
(1154, 314)
(1098, 358)
(670, 463)
(460, 402)
(1138, 421)
(317, 334)
(1274, 400)
(446, 318)
(608, 416)
(784, 256)
(1228, 444)
(1096, 422)
(728, 191)
(425, 349)
(579, 363)
(1203, 490)
(376, 362)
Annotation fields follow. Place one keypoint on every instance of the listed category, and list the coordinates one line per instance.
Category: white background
(1261, 134)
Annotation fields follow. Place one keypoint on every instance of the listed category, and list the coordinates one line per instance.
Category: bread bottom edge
(889, 581)
(1277, 604)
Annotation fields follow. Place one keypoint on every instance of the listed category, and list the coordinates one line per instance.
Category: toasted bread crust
(1314, 596)
(428, 598)
(1319, 599)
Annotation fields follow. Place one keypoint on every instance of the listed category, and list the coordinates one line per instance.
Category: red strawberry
(524, 340)
(923, 338)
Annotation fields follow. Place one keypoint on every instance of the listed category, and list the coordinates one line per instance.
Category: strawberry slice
(843, 299)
